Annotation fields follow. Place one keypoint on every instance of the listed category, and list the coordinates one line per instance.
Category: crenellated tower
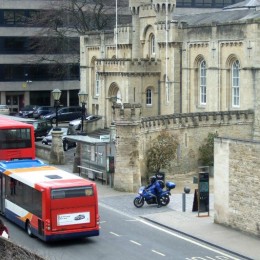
(164, 8)
(157, 10)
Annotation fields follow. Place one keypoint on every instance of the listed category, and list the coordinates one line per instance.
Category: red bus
(47, 202)
(16, 140)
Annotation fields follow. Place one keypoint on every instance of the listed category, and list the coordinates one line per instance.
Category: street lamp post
(83, 100)
(56, 93)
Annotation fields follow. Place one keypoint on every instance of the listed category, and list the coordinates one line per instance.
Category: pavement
(178, 216)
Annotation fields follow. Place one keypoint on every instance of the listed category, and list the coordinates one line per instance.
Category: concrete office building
(24, 78)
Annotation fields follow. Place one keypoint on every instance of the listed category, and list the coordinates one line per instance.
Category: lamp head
(56, 93)
(83, 96)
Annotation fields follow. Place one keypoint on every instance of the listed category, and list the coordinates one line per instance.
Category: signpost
(111, 168)
(203, 193)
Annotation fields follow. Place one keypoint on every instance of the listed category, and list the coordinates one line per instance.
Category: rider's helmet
(152, 179)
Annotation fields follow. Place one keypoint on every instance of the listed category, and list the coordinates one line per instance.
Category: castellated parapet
(191, 120)
(127, 113)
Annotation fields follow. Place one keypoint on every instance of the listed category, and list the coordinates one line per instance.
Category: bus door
(40, 227)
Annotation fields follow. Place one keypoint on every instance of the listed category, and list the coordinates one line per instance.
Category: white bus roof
(46, 176)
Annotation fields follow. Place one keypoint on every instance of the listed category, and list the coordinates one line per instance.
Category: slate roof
(244, 4)
(219, 17)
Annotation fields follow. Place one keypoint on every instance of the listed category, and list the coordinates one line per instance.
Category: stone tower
(147, 9)
(127, 175)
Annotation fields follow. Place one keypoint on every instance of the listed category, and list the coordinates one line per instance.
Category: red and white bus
(16, 140)
(47, 202)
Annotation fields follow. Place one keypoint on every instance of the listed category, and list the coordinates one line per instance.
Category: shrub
(206, 151)
(162, 152)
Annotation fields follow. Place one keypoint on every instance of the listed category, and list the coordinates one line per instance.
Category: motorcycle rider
(155, 187)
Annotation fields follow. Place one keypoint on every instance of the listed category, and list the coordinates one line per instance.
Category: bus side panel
(16, 214)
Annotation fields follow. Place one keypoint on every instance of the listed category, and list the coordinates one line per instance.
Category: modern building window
(202, 83)
(205, 3)
(97, 84)
(39, 72)
(148, 96)
(235, 84)
(12, 17)
(152, 44)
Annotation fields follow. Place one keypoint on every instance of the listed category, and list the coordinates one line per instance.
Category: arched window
(202, 83)
(97, 84)
(235, 81)
(148, 96)
(152, 44)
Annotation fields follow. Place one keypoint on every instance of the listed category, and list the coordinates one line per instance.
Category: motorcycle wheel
(165, 200)
(139, 202)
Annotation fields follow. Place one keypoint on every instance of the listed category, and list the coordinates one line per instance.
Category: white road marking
(114, 234)
(168, 232)
(131, 220)
(101, 222)
(156, 252)
(134, 242)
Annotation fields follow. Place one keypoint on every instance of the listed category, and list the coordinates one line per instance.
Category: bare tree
(62, 22)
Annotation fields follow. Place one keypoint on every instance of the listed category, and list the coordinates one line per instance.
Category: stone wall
(236, 184)
(191, 129)
(43, 151)
(134, 137)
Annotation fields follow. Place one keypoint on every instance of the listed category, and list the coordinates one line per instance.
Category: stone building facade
(200, 62)
(236, 184)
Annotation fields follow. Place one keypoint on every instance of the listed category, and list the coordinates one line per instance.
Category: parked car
(41, 128)
(27, 111)
(66, 143)
(4, 110)
(76, 124)
(64, 114)
(43, 110)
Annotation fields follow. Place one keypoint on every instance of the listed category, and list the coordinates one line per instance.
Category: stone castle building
(189, 74)
(177, 65)
(197, 63)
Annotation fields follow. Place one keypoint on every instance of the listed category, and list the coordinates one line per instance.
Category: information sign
(203, 192)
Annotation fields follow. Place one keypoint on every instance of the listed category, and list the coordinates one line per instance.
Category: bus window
(16, 140)
(72, 192)
(24, 196)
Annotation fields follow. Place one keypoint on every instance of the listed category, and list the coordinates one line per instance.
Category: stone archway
(114, 95)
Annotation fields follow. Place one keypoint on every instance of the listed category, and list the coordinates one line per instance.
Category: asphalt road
(121, 236)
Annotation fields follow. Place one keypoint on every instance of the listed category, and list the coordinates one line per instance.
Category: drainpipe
(159, 97)
(180, 79)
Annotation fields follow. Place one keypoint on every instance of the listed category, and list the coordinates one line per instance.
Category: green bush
(162, 152)
(206, 151)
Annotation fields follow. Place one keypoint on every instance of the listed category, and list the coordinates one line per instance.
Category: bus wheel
(29, 228)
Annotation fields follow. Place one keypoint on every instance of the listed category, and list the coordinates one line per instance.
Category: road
(121, 236)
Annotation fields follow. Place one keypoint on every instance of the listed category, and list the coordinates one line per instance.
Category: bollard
(183, 202)
(186, 191)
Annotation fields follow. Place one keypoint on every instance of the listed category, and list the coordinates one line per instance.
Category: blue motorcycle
(145, 195)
